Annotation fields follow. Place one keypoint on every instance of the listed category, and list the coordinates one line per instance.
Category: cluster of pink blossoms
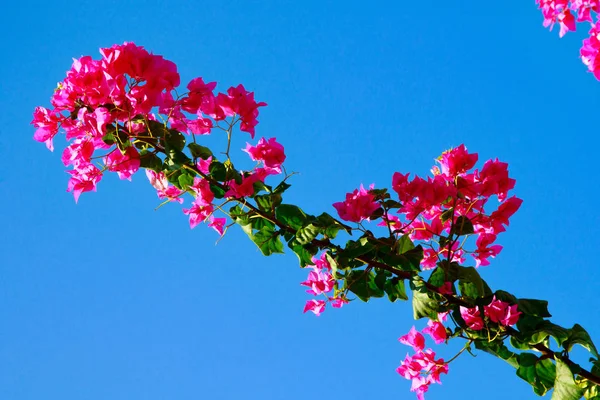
(567, 13)
(497, 311)
(105, 105)
(320, 281)
(422, 368)
(432, 206)
(358, 206)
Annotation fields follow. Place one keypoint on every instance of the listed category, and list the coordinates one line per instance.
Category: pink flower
(78, 153)
(199, 212)
(512, 316)
(485, 249)
(457, 161)
(200, 99)
(436, 330)
(414, 339)
(201, 188)
(322, 262)
(409, 368)
(84, 178)
(242, 103)
(268, 151)
(501, 312)
(446, 288)
(359, 205)
(200, 126)
(46, 123)
(163, 189)
(495, 180)
(583, 9)
(505, 210)
(203, 165)
(338, 302)
(316, 306)
(125, 165)
(472, 318)
(218, 224)
(423, 369)
(319, 282)
(430, 259)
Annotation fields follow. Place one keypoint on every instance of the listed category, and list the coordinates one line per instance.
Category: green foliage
(291, 216)
(565, 387)
(462, 226)
(578, 335)
(425, 303)
(267, 240)
(365, 284)
(199, 151)
(150, 161)
(471, 284)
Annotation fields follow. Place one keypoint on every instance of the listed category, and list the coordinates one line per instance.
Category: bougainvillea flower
(436, 330)
(414, 339)
(358, 206)
(315, 306)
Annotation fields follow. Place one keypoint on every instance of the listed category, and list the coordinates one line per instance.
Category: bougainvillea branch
(124, 112)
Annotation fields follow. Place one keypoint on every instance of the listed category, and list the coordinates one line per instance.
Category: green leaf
(291, 216)
(470, 283)
(437, 277)
(526, 368)
(395, 289)
(390, 204)
(268, 240)
(306, 234)
(446, 215)
(185, 180)
(538, 308)
(218, 191)
(565, 387)
(217, 171)
(408, 261)
(405, 244)
(356, 248)
(505, 296)
(424, 305)
(109, 137)
(282, 187)
(150, 161)
(546, 373)
(534, 330)
(176, 158)
(174, 140)
(578, 335)
(156, 128)
(199, 151)
(462, 226)
(329, 225)
(332, 262)
(363, 285)
(268, 202)
(498, 349)
(304, 252)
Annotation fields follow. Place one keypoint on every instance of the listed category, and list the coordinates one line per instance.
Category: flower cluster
(452, 202)
(497, 311)
(422, 368)
(358, 206)
(124, 102)
(320, 281)
(567, 13)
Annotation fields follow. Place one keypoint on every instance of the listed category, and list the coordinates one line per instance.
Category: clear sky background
(109, 299)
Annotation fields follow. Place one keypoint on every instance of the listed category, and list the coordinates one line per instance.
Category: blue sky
(109, 299)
